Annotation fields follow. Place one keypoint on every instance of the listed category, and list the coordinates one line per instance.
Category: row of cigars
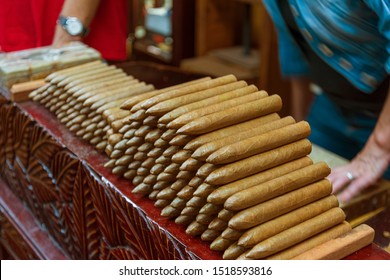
(213, 154)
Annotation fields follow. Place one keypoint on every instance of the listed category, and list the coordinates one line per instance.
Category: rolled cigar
(179, 184)
(153, 195)
(195, 182)
(168, 117)
(159, 143)
(185, 175)
(186, 192)
(148, 163)
(168, 105)
(220, 244)
(261, 143)
(169, 152)
(130, 133)
(232, 234)
(233, 252)
(340, 247)
(173, 168)
(151, 121)
(205, 170)
(204, 190)
(233, 115)
(135, 141)
(219, 107)
(142, 189)
(138, 180)
(222, 193)
(210, 235)
(131, 102)
(204, 219)
(243, 257)
(142, 131)
(257, 163)
(180, 140)
(225, 215)
(119, 170)
(116, 154)
(142, 171)
(150, 179)
(178, 203)
(121, 145)
(298, 233)
(218, 225)
(270, 209)
(195, 228)
(107, 84)
(139, 115)
(145, 147)
(130, 174)
(161, 203)
(167, 193)
(168, 134)
(153, 135)
(140, 156)
(160, 185)
(207, 149)
(110, 163)
(58, 75)
(124, 129)
(167, 177)
(210, 208)
(109, 149)
(133, 90)
(190, 211)
(163, 160)
(196, 201)
(263, 231)
(181, 156)
(130, 151)
(155, 153)
(114, 139)
(312, 242)
(191, 164)
(157, 169)
(124, 160)
(228, 131)
(278, 186)
(187, 90)
(101, 146)
(184, 220)
(170, 212)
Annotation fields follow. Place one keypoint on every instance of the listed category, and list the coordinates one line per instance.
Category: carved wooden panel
(12, 243)
(87, 215)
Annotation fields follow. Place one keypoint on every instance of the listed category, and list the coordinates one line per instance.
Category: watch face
(74, 26)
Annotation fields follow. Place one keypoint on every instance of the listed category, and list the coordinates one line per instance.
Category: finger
(355, 188)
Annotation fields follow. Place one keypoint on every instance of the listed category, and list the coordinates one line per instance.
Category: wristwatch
(73, 26)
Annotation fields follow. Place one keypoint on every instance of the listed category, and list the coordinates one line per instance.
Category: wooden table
(58, 201)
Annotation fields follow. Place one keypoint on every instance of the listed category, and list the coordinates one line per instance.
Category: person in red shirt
(100, 24)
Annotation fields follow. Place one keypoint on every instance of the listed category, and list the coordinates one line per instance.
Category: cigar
(257, 163)
(270, 209)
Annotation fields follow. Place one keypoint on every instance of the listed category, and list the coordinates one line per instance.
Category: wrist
(73, 26)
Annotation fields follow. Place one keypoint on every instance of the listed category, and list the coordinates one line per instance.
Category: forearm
(84, 10)
(380, 137)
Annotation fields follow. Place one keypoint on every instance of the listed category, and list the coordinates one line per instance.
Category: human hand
(362, 172)
(61, 37)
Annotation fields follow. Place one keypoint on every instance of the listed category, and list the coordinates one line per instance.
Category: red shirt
(28, 24)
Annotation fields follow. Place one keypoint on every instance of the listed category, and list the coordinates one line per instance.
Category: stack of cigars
(213, 154)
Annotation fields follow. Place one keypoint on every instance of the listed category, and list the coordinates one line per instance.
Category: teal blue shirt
(352, 36)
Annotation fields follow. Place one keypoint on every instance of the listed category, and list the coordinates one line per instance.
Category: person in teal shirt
(340, 51)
